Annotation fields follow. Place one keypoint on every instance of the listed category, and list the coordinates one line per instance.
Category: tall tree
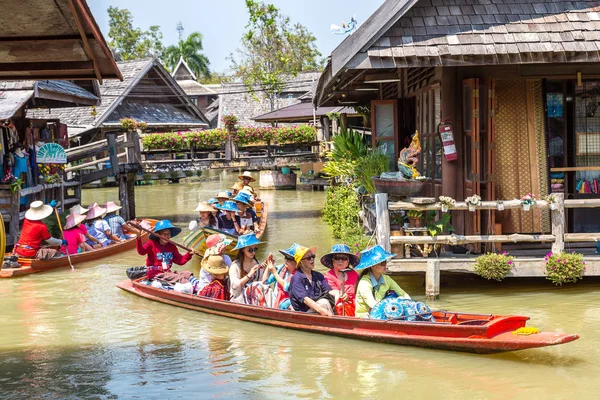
(273, 49)
(190, 50)
(131, 42)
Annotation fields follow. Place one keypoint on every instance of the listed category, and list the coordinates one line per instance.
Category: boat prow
(475, 333)
(33, 265)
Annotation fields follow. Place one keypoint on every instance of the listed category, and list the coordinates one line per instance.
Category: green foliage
(440, 226)
(357, 241)
(174, 174)
(162, 175)
(199, 172)
(494, 266)
(147, 177)
(372, 164)
(129, 42)
(341, 210)
(188, 173)
(52, 224)
(272, 50)
(190, 50)
(342, 161)
(103, 181)
(564, 267)
(215, 77)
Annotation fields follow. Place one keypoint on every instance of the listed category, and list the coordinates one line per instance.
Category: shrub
(103, 181)
(174, 174)
(188, 173)
(147, 177)
(341, 210)
(564, 267)
(199, 172)
(162, 175)
(357, 241)
(494, 266)
(372, 164)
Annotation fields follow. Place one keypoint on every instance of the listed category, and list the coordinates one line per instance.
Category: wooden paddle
(63, 236)
(141, 228)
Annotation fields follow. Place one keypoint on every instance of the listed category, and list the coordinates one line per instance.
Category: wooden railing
(558, 237)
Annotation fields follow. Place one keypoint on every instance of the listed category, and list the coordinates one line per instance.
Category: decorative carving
(409, 158)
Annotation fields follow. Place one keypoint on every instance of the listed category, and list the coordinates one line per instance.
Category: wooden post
(61, 197)
(558, 224)
(111, 138)
(134, 152)
(325, 128)
(13, 227)
(432, 280)
(382, 217)
(344, 121)
(127, 195)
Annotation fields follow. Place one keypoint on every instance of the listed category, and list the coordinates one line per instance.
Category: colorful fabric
(215, 290)
(258, 294)
(280, 293)
(33, 233)
(349, 286)
(368, 295)
(235, 276)
(116, 223)
(301, 287)
(158, 254)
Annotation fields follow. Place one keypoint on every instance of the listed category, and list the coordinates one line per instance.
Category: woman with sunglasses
(373, 283)
(341, 277)
(246, 270)
(309, 291)
(281, 277)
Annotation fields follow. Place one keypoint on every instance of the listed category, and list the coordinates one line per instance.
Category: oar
(141, 228)
(63, 236)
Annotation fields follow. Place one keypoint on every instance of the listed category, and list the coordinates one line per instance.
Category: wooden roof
(301, 113)
(59, 39)
(431, 33)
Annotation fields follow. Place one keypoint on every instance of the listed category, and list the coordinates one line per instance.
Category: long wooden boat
(455, 331)
(34, 265)
(197, 239)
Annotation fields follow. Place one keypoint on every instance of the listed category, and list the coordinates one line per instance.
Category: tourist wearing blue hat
(247, 217)
(373, 283)
(341, 277)
(281, 277)
(247, 275)
(228, 220)
(160, 253)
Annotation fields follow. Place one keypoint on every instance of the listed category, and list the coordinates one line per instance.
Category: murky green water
(75, 335)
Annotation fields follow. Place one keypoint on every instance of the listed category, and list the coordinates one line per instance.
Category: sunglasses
(340, 258)
(311, 257)
(252, 249)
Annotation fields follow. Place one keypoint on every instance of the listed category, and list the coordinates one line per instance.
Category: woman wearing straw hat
(222, 197)
(309, 291)
(236, 188)
(228, 220)
(207, 217)
(99, 228)
(246, 178)
(373, 283)
(34, 231)
(115, 222)
(160, 254)
(340, 277)
(218, 288)
(74, 236)
(247, 272)
(90, 240)
(247, 217)
(216, 245)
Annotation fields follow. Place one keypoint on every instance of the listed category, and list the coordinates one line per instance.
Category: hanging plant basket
(472, 207)
(500, 206)
(526, 207)
(444, 208)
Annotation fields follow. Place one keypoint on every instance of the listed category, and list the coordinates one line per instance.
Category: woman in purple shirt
(308, 286)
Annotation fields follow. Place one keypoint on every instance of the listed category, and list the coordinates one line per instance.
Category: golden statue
(408, 158)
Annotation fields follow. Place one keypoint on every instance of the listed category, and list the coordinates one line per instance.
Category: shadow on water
(279, 215)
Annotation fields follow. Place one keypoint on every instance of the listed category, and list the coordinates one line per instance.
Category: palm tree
(190, 50)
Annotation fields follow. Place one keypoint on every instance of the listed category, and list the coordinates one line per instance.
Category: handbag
(136, 272)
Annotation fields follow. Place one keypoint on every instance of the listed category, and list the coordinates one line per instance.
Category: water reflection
(74, 335)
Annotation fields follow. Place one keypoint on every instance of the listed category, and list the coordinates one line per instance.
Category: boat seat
(474, 322)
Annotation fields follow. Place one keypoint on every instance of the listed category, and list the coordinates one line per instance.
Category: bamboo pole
(383, 220)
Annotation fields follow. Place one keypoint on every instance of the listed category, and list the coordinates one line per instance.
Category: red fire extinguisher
(447, 137)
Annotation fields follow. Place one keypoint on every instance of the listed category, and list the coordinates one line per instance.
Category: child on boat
(216, 245)
(222, 197)
(160, 253)
(281, 276)
(207, 217)
(236, 188)
(373, 283)
(247, 217)
(74, 236)
(218, 288)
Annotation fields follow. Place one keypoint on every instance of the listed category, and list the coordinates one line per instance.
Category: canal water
(75, 335)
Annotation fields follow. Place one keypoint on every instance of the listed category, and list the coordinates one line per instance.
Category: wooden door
(472, 153)
(490, 166)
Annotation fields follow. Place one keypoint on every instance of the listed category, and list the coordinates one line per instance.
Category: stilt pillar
(432, 280)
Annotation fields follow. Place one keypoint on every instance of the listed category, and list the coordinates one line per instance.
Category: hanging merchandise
(447, 137)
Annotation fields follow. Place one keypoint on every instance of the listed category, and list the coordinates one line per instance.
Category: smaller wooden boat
(474, 333)
(197, 239)
(33, 265)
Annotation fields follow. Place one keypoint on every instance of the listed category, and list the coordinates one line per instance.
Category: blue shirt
(116, 223)
(300, 288)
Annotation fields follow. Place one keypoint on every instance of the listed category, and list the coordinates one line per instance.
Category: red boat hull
(458, 331)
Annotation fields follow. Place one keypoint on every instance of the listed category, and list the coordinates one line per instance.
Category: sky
(222, 22)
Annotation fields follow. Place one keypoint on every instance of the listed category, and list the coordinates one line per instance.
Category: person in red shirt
(34, 232)
(160, 253)
(218, 288)
(74, 235)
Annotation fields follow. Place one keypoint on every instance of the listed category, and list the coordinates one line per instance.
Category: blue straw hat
(373, 256)
(212, 200)
(327, 259)
(246, 240)
(165, 224)
(243, 198)
(290, 252)
(229, 205)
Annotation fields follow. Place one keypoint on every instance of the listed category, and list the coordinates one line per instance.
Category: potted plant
(446, 203)
(494, 265)
(473, 202)
(500, 205)
(527, 201)
(551, 200)
(564, 267)
(415, 218)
